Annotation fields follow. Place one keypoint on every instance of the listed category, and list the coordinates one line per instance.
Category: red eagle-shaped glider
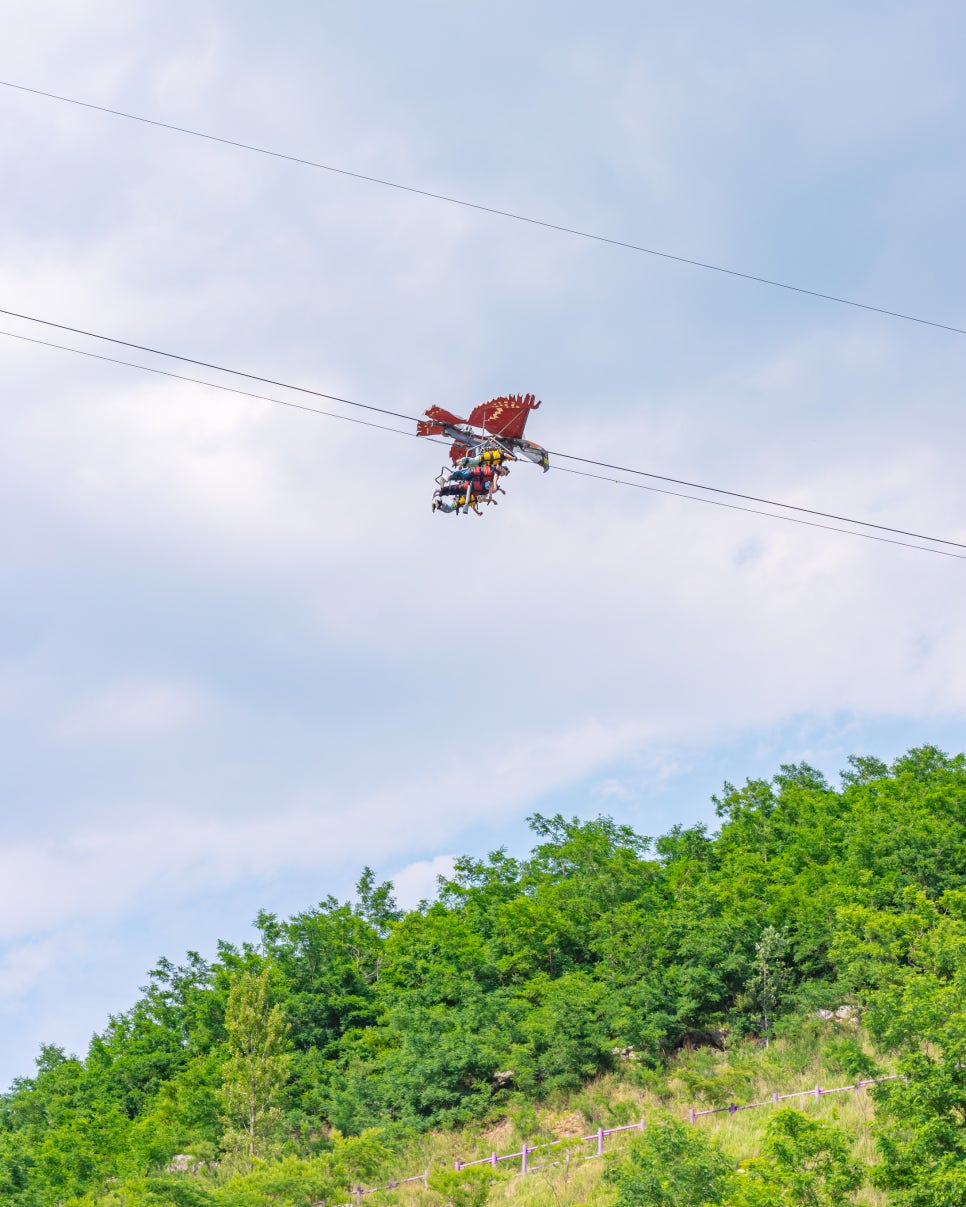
(482, 446)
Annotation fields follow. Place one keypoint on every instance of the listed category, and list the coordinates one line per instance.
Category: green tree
(769, 973)
(671, 1165)
(524, 976)
(257, 1069)
(465, 1187)
(804, 1163)
(909, 967)
(376, 901)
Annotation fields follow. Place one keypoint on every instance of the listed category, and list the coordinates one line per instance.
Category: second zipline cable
(514, 216)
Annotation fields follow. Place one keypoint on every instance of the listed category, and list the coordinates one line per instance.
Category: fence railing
(597, 1138)
(734, 1107)
(523, 1155)
(568, 1142)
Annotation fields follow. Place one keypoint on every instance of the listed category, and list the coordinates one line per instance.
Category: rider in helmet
(457, 502)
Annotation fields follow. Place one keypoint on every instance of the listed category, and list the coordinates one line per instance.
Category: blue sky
(234, 643)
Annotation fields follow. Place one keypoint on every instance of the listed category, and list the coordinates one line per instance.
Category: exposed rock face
(842, 1014)
(184, 1163)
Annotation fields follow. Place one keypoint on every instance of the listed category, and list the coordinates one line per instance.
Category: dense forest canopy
(526, 976)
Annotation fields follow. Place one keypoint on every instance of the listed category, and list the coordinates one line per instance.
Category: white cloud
(237, 647)
(23, 966)
(614, 790)
(134, 709)
(418, 881)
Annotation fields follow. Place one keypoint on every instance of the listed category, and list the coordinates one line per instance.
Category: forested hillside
(308, 1058)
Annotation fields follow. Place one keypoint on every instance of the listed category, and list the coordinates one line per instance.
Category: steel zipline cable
(201, 364)
(494, 211)
(214, 385)
(412, 419)
(737, 494)
(788, 519)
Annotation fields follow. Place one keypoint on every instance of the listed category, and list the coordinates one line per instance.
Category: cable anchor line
(494, 211)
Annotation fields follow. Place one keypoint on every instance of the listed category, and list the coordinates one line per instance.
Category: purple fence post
(457, 1164)
(523, 1158)
(691, 1114)
(493, 1160)
(732, 1107)
(774, 1098)
(600, 1142)
(818, 1093)
(641, 1125)
(425, 1177)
